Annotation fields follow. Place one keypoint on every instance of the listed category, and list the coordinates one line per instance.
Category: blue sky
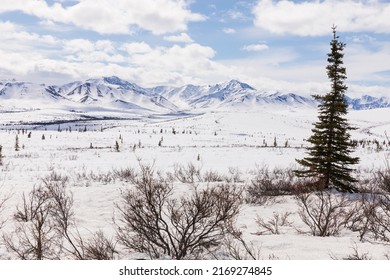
(272, 45)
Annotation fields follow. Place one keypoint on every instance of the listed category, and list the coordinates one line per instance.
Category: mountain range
(114, 93)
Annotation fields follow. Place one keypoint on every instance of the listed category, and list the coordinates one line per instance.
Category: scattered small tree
(17, 147)
(1, 155)
(117, 146)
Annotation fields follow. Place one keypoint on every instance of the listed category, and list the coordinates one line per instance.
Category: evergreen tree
(329, 156)
(17, 147)
(1, 155)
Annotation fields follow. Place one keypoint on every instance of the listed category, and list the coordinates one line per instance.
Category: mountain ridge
(113, 92)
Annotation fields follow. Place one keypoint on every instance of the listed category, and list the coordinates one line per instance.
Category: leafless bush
(234, 175)
(324, 212)
(96, 247)
(46, 227)
(238, 249)
(383, 177)
(125, 174)
(355, 256)
(268, 185)
(99, 247)
(274, 224)
(154, 222)
(372, 218)
(382, 180)
(35, 236)
(187, 174)
(212, 176)
(380, 220)
(364, 210)
(103, 177)
(3, 200)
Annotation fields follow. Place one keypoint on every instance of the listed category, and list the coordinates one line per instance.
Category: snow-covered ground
(223, 141)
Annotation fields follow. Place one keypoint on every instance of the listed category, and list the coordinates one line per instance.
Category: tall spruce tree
(329, 157)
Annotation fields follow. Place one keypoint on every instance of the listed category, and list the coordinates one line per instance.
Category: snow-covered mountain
(118, 94)
(368, 102)
(106, 93)
(234, 94)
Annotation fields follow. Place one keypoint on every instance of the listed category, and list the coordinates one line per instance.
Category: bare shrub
(268, 185)
(212, 176)
(382, 177)
(99, 247)
(372, 218)
(125, 174)
(238, 249)
(234, 175)
(154, 222)
(324, 212)
(274, 224)
(103, 177)
(187, 174)
(364, 210)
(96, 247)
(380, 220)
(35, 236)
(355, 255)
(3, 200)
(46, 227)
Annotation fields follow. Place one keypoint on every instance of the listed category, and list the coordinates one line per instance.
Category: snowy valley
(92, 132)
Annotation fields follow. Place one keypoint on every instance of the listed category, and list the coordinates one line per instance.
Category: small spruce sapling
(17, 147)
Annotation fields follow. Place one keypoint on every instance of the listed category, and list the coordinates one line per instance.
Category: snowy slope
(106, 93)
(368, 102)
(113, 93)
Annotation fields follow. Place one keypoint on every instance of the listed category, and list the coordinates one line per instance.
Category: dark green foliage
(17, 147)
(1, 155)
(328, 156)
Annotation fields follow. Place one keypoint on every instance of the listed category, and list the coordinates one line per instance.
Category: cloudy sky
(272, 45)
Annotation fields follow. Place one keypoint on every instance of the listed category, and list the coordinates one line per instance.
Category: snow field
(229, 143)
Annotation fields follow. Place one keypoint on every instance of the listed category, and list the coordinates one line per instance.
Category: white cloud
(106, 17)
(314, 18)
(178, 65)
(255, 47)
(181, 38)
(367, 64)
(136, 47)
(361, 38)
(30, 56)
(229, 30)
